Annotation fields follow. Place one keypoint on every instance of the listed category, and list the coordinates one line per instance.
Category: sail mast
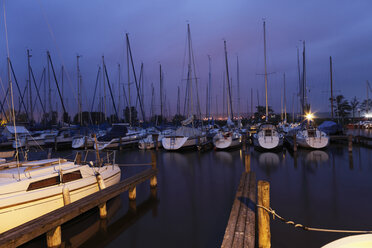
(267, 107)
(209, 87)
(238, 82)
(229, 102)
(330, 69)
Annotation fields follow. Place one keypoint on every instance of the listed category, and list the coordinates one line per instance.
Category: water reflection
(268, 159)
(317, 156)
(224, 157)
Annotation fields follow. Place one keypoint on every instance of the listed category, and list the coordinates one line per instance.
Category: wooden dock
(241, 227)
(52, 221)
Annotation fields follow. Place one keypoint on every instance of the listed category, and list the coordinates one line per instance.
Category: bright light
(368, 115)
(309, 116)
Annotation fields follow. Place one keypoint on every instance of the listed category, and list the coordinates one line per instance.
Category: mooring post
(120, 144)
(49, 153)
(102, 207)
(247, 160)
(53, 237)
(153, 179)
(132, 193)
(26, 140)
(264, 236)
(350, 143)
(55, 143)
(78, 158)
(294, 143)
(66, 195)
(155, 138)
(85, 142)
(244, 140)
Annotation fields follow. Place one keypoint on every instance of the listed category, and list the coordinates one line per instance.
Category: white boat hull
(20, 207)
(225, 141)
(318, 141)
(176, 143)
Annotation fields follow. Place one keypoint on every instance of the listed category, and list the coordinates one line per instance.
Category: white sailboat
(227, 137)
(187, 137)
(308, 136)
(31, 189)
(267, 136)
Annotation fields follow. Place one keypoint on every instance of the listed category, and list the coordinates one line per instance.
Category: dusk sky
(157, 31)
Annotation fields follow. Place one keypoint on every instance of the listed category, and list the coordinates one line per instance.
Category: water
(326, 189)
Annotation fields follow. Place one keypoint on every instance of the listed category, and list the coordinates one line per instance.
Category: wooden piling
(86, 142)
(155, 138)
(49, 153)
(264, 235)
(244, 141)
(53, 237)
(66, 195)
(102, 207)
(120, 147)
(153, 180)
(132, 193)
(247, 162)
(55, 143)
(78, 158)
(350, 143)
(294, 143)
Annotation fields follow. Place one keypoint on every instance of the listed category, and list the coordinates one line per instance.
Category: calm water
(326, 189)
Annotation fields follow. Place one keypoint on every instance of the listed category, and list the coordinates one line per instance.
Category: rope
(289, 222)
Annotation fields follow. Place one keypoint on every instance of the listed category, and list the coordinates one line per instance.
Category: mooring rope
(306, 228)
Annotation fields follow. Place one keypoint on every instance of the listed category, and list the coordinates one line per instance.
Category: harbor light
(309, 116)
(368, 115)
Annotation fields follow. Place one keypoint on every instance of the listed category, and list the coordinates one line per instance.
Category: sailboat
(227, 137)
(267, 136)
(307, 135)
(185, 136)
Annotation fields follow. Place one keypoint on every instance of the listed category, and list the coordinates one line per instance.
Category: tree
(354, 103)
(261, 112)
(342, 106)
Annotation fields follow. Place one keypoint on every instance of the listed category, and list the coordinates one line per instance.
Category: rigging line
(11, 93)
(57, 48)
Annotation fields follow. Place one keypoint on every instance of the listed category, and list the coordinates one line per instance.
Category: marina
(303, 187)
(185, 124)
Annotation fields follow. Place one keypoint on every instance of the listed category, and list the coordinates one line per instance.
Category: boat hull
(18, 209)
(177, 143)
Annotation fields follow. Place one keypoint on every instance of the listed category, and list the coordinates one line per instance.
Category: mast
(189, 72)
(367, 84)
(29, 86)
(267, 107)
(238, 82)
(178, 101)
(161, 93)
(78, 88)
(306, 107)
(209, 87)
(300, 93)
(330, 69)
(119, 112)
(104, 89)
(251, 101)
(229, 101)
(223, 96)
(285, 102)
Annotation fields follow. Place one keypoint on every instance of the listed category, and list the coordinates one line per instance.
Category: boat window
(44, 183)
(268, 132)
(72, 176)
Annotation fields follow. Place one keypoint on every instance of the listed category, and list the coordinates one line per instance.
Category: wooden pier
(241, 227)
(51, 222)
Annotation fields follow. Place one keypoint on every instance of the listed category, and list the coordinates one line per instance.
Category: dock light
(368, 115)
(309, 116)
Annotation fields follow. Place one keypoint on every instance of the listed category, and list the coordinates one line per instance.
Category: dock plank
(240, 230)
(230, 229)
(32, 229)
